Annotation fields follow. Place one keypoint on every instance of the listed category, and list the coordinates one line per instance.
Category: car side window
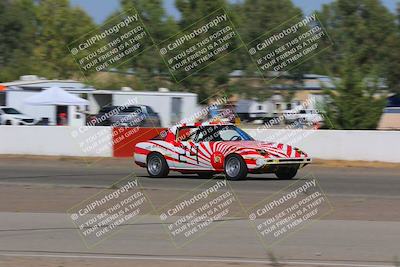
(186, 134)
(208, 134)
(229, 134)
(204, 134)
(199, 135)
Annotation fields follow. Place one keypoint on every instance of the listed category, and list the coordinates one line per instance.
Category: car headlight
(261, 162)
(298, 150)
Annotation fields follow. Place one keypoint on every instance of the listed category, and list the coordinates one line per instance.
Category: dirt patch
(67, 262)
(355, 164)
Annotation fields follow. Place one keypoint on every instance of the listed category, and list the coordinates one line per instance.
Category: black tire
(286, 173)
(205, 174)
(157, 166)
(235, 168)
(8, 123)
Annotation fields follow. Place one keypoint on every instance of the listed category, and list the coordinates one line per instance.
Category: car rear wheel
(235, 168)
(157, 165)
(286, 173)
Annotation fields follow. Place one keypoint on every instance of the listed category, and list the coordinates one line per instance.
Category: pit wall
(119, 142)
(339, 144)
(55, 141)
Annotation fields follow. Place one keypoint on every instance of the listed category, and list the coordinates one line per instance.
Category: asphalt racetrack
(363, 228)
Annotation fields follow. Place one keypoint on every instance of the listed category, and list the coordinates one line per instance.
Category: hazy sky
(101, 9)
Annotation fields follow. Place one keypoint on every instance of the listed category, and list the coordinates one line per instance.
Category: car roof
(199, 124)
(173, 130)
(115, 106)
(7, 107)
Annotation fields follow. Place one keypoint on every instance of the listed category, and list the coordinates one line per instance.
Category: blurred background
(354, 84)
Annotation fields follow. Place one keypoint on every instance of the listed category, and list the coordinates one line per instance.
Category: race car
(207, 149)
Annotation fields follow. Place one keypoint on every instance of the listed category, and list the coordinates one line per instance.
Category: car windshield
(11, 111)
(150, 110)
(214, 133)
(106, 109)
(131, 109)
(120, 109)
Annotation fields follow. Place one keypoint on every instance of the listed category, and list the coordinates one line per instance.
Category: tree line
(34, 35)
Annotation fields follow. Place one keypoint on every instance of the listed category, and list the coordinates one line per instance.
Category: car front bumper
(269, 165)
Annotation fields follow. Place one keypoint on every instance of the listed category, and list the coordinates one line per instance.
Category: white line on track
(161, 258)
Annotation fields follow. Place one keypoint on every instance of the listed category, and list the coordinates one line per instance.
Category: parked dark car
(125, 116)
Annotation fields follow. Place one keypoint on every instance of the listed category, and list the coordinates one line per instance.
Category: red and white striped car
(210, 148)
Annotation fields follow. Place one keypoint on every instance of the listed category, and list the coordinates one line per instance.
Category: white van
(305, 115)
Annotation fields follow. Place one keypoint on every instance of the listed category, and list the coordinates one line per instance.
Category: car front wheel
(157, 165)
(235, 168)
(286, 173)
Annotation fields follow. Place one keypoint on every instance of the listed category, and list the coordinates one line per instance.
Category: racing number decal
(194, 151)
(181, 154)
(189, 151)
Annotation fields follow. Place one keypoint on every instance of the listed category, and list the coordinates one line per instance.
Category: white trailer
(170, 106)
(17, 92)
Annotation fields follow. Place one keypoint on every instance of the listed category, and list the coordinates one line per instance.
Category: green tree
(393, 64)
(149, 64)
(58, 25)
(213, 78)
(17, 35)
(355, 103)
(259, 17)
(360, 29)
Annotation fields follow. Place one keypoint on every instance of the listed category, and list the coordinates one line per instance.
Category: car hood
(277, 150)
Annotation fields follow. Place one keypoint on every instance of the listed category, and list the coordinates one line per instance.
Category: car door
(188, 151)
